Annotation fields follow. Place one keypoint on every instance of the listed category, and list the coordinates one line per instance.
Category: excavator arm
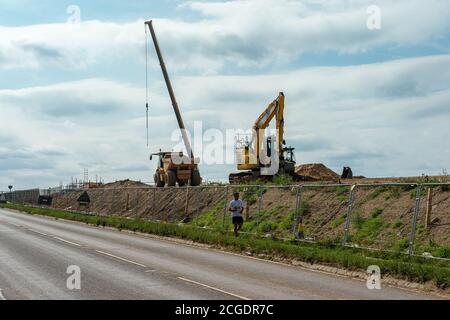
(274, 110)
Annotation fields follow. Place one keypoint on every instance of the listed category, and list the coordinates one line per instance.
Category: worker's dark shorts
(238, 220)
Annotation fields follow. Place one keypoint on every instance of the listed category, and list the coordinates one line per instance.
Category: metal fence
(405, 217)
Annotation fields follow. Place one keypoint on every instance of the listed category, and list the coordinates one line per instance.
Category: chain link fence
(403, 217)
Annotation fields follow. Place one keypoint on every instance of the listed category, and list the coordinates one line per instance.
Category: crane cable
(146, 81)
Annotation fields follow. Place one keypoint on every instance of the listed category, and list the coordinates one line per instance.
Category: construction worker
(237, 208)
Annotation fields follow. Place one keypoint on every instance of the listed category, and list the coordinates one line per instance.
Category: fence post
(349, 213)
(136, 202)
(174, 203)
(153, 200)
(225, 207)
(260, 199)
(297, 210)
(429, 207)
(414, 220)
(186, 204)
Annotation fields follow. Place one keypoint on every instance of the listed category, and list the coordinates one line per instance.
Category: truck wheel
(196, 180)
(158, 182)
(181, 183)
(171, 178)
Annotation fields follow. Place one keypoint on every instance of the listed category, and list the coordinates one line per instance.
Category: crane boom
(184, 134)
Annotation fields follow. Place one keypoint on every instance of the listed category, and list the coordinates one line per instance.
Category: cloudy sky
(72, 95)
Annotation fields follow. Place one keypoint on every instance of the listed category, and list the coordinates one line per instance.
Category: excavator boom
(274, 110)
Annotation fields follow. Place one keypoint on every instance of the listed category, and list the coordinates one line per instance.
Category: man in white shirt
(237, 208)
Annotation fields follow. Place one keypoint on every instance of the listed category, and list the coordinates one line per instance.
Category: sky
(367, 83)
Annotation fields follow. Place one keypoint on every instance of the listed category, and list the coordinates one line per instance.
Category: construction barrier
(405, 217)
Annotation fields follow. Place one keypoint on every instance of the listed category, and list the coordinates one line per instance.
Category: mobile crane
(174, 167)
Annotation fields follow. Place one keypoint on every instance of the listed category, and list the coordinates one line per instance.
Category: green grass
(376, 212)
(338, 221)
(393, 193)
(397, 224)
(212, 217)
(283, 179)
(342, 194)
(435, 250)
(375, 193)
(367, 229)
(412, 268)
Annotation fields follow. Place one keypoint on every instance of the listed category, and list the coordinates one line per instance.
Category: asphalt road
(35, 253)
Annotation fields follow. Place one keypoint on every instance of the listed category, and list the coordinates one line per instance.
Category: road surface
(35, 253)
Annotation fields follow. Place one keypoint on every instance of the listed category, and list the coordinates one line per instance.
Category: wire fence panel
(162, 206)
(324, 211)
(202, 206)
(432, 236)
(277, 212)
(143, 203)
(382, 217)
(252, 197)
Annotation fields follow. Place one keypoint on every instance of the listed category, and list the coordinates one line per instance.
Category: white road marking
(66, 241)
(41, 233)
(120, 258)
(2, 297)
(213, 288)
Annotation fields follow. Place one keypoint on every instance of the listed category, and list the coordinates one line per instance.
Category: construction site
(281, 150)
(405, 214)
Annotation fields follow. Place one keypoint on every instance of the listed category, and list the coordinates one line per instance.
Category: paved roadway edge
(391, 281)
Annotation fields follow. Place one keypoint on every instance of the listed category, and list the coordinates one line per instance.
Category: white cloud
(230, 33)
(382, 119)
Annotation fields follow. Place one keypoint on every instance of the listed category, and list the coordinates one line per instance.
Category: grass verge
(412, 268)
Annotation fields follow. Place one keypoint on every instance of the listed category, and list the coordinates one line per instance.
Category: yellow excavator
(265, 157)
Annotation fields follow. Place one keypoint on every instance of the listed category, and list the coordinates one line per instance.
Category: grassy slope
(370, 227)
(413, 268)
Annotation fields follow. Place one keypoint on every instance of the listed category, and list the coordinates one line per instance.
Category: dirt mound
(125, 184)
(317, 171)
